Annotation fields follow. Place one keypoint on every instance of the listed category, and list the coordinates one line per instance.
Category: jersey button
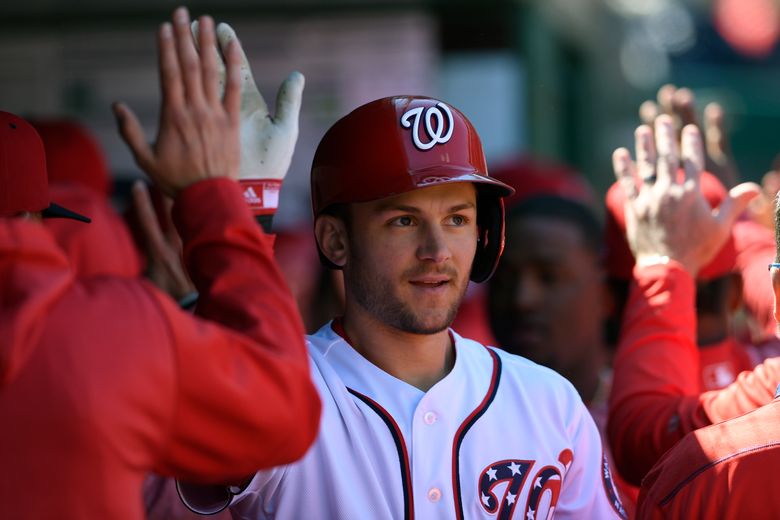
(429, 418)
(434, 494)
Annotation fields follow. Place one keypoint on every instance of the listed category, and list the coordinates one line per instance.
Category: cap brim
(446, 175)
(57, 211)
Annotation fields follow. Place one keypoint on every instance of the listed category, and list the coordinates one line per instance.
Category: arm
(755, 247)
(654, 402)
(244, 398)
(655, 398)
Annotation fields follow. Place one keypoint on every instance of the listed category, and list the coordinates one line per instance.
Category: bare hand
(163, 249)
(198, 135)
(762, 208)
(680, 104)
(666, 213)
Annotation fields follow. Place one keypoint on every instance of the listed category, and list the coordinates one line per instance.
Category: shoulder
(738, 448)
(519, 373)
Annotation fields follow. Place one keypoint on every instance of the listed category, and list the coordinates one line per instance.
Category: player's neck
(421, 360)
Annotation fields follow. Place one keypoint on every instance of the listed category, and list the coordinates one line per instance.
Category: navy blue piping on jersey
(403, 457)
(464, 428)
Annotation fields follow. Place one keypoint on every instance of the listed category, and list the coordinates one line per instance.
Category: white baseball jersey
(498, 437)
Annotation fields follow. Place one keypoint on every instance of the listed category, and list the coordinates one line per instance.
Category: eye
(458, 220)
(402, 221)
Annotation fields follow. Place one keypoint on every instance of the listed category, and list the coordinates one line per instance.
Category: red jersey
(722, 362)
(755, 246)
(718, 472)
(657, 395)
(103, 247)
(105, 379)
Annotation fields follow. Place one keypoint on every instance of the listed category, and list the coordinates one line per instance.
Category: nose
(528, 291)
(433, 245)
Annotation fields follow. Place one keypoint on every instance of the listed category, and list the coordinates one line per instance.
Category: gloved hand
(267, 142)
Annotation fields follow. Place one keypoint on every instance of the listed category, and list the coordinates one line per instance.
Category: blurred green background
(561, 79)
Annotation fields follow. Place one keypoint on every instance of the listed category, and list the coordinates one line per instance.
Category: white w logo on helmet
(436, 133)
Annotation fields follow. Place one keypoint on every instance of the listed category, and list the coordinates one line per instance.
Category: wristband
(262, 195)
(647, 261)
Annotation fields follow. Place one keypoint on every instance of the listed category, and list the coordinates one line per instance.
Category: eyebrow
(413, 209)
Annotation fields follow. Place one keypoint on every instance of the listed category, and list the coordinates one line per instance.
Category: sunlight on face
(410, 256)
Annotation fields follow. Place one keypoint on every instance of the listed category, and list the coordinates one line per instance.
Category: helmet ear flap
(490, 241)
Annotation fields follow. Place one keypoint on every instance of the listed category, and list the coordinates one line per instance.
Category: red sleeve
(244, 396)
(654, 399)
(656, 394)
(751, 389)
(755, 247)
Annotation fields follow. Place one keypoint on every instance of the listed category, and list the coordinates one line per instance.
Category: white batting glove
(267, 143)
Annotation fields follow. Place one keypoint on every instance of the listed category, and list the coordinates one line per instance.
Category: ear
(775, 274)
(331, 235)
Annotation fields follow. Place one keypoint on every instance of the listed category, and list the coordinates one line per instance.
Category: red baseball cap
(23, 182)
(531, 176)
(73, 155)
(619, 260)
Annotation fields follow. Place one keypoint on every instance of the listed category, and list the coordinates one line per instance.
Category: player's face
(546, 299)
(410, 256)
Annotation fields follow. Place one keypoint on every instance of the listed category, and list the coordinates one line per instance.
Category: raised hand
(198, 135)
(680, 104)
(267, 142)
(666, 214)
(163, 247)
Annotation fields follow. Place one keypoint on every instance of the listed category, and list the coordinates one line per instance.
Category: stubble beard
(378, 298)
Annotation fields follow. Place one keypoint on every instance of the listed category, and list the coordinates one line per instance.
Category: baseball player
(657, 394)
(419, 422)
(718, 471)
(105, 379)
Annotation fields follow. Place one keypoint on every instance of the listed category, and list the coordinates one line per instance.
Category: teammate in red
(718, 471)
(659, 323)
(79, 177)
(658, 394)
(104, 380)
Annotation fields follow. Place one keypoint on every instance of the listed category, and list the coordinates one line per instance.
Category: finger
(147, 220)
(714, 132)
(288, 99)
(133, 135)
(645, 154)
(735, 203)
(692, 154)
(625, 174)
(218, 58)
(207, 44)
(684, 106)
(170, 74)
(232, 98)
(770, 183)
(666, 147)
(251, 99)
(648, 111)
(664, 96)
(171, 233)
(188, 57)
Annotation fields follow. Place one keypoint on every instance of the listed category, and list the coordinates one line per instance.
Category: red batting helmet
(397, 144)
